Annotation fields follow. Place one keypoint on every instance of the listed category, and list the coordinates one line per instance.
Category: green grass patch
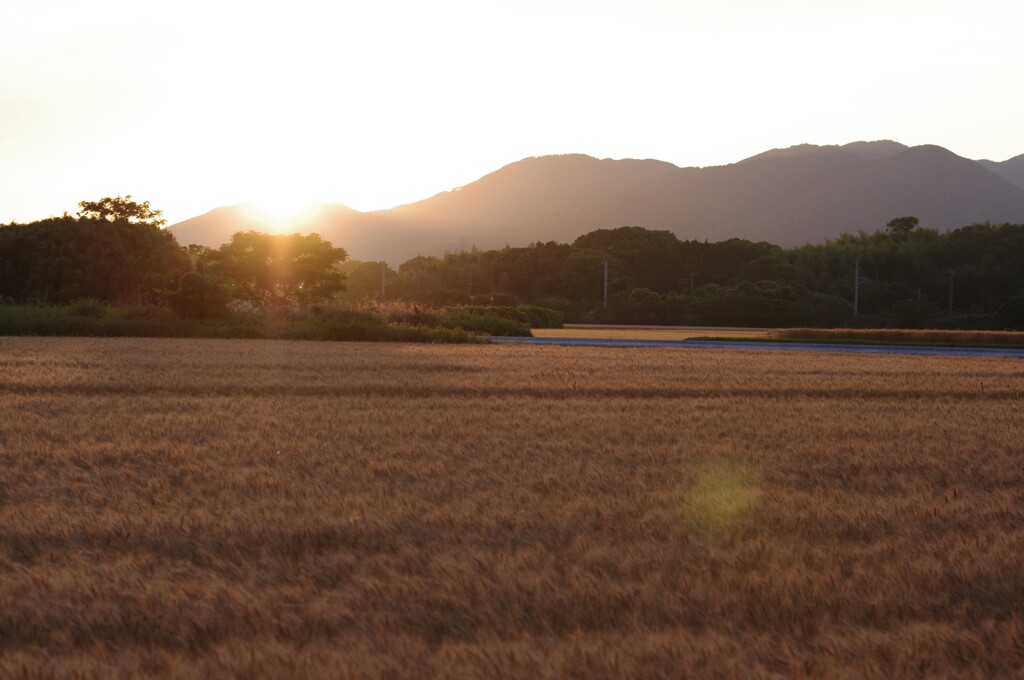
(93, 319)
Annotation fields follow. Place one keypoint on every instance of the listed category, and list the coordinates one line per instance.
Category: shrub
(199, 296)
(89, 309)
(492, 325)
(1011, 314)
(531, 316)
(322, 323)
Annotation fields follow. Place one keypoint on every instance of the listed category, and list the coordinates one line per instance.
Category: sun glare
(281, 213)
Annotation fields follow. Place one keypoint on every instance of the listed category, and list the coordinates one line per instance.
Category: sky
(197, 104)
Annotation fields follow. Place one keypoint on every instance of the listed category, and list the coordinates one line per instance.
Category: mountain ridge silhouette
(802, 194)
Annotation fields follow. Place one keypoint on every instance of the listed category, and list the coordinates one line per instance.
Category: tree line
(114, 251)
(904, 274)
(901, 275)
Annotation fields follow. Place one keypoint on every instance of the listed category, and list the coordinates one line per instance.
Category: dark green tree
(364, 281)
(199, 296)
(280, 269)
(646, 258)
(63, 259)
(1011, 314)
(121, 209)
(903, 225)
(768, 268)
(582, 275)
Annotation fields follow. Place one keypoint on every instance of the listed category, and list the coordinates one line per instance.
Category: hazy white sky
(196, 104)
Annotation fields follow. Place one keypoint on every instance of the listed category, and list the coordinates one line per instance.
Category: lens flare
(720, 496)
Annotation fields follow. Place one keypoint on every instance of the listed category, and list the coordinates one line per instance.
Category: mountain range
(802, 194)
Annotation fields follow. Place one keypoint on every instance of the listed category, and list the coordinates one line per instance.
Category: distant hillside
(789, 196)
(363, 235)
(217, 226)
(530, 192)
(1012, 170)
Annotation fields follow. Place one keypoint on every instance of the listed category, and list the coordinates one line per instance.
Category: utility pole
(692, 274)
(856, 285)
(383, 277)
(606, 284)
(951, 275)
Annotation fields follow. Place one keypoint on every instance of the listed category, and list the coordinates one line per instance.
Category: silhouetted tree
(582, 275)
(63, 259)
(1010, 314)
(646, 258)
(121, 209)
(903, 225)
(364, 281)
(280, 269)
(199, 296)
(768, 268)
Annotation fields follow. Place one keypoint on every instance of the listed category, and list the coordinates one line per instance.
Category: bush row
(91, 318)
(531, 316)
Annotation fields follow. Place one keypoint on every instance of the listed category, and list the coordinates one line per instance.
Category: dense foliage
(909, 276)
(279, 270)
(89, 318)
(63, 259)
(121, 209)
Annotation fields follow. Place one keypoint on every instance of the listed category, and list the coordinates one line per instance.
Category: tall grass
(530, 316)
(492, 320)
(90, 318)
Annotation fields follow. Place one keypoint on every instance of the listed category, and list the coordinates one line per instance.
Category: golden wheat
(904, 335)
(271, 509)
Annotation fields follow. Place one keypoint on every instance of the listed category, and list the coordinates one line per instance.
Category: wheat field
(212, 508)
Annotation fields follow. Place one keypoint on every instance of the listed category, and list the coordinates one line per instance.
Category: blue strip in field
(784, 346)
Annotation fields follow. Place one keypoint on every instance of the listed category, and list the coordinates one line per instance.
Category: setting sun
(655, 79)
(280, 213)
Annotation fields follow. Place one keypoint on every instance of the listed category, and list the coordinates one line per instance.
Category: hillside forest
(902, 275)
